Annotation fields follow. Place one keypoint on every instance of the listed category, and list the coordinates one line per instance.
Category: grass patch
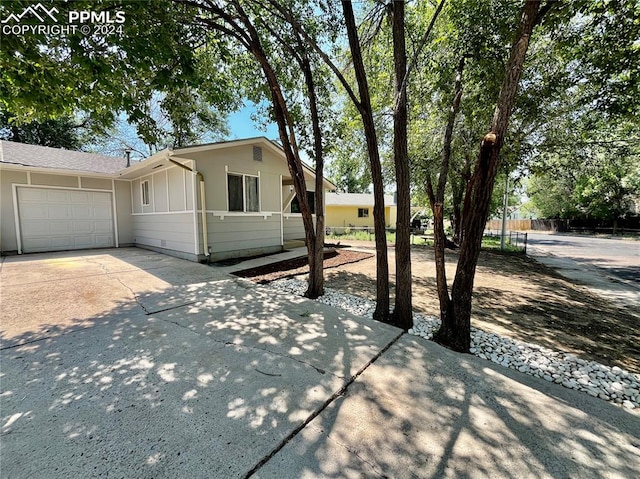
(359, 235)
(491, 243)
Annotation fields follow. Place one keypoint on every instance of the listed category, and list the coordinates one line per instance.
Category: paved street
(609, 267)
(618, 258)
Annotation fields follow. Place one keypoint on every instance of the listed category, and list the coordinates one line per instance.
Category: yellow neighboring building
(355, 210)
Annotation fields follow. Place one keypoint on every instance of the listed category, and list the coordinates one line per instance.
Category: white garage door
(60, 219)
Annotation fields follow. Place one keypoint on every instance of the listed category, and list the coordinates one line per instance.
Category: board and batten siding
(167, 222)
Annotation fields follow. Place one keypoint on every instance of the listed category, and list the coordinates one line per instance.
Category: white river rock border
(611, 384)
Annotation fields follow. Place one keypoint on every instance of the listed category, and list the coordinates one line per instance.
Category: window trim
(143, 184)
(311, 199)
(363, 212)
(244, 192)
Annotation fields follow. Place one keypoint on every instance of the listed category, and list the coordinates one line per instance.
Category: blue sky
(242, 126)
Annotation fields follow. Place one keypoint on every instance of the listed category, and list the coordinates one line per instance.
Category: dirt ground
(514, 296)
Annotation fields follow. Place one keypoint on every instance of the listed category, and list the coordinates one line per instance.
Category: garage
(55, 219)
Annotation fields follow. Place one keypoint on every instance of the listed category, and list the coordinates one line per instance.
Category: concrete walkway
(128, 363)
(294, 253)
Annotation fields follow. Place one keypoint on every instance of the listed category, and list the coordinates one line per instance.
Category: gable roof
(34, 156)
(181, 154)
(355, 199)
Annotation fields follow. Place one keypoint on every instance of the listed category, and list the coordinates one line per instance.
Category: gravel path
(611, 384)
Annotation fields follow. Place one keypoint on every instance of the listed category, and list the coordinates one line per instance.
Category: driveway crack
(133, 293)
(319, 411)
(276, 353)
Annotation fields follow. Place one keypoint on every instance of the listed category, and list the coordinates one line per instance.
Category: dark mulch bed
(294, 267)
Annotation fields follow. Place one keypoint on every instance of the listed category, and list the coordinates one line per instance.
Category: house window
(252, 201)
(363, 212)
(311, 198)
(243, 192)
(146, 199)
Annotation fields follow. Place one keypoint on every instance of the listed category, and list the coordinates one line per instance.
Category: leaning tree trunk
(381, 312)
(455, 331)
(287, 139)
(402, 314)
(436, 199)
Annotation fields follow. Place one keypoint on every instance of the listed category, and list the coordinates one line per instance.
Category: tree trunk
(455, 331)
(381, 312)
(287, 139)
(402, 314)
(436, 199)
(458, 188)
(439, 242)
(316, 255)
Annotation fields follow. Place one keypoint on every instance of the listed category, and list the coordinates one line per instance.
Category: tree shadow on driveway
(180, 380)
(422, 411)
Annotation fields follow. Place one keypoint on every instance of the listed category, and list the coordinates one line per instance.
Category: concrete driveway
(129, 363)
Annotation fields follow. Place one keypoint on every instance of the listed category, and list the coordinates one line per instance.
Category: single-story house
(53, 199)
(348, 210)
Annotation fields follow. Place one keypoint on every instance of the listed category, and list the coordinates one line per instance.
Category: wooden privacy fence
(512, 225)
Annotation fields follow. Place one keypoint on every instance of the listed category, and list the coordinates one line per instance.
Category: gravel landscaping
(611, 384)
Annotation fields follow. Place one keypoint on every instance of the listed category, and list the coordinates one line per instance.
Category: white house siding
(160, 192)
(123, 212)
(167, 223)
(215, 164)
(172, 233)
(95, 183)
(176, 188)
(293, 228)
(136, 196)
(236, 236)
(8, 234)
(54, 180)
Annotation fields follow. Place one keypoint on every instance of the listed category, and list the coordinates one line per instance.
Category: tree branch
(286, 15)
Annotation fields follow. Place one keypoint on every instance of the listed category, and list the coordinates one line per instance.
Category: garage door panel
(35, 228)
(101, 212)
(57, 228)
(81, 211)
(83, 242)
(103, 241)
(82, 227)
(58, 196)
(102, 227)
(32, 194)
(102, 199)
(59, 212)
(82, 197)
(34, 212)
(62, 242)
(58, 219)
(36, 244)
